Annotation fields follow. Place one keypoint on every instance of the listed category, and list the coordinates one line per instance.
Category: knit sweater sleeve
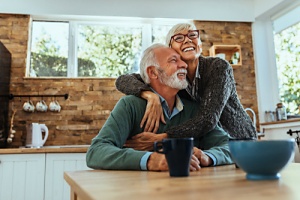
(218, 85)
(131, 84)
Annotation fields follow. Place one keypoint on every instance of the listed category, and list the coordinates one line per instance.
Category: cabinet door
(55, 186)
(22, 176)
(279, 132)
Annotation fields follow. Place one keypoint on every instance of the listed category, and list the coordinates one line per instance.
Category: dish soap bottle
(281, 112)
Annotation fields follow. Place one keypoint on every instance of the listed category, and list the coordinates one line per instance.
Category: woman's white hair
(148, 59)
(179, 28)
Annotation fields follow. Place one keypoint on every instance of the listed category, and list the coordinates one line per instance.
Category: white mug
(54, 106)
(41, 106)
(28, 106)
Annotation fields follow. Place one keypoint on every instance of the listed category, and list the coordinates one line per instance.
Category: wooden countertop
(221, 182)
(47, 149)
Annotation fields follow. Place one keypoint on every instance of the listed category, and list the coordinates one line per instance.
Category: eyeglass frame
(185, 35)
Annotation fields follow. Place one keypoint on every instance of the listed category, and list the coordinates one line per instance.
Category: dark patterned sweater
(217, 97)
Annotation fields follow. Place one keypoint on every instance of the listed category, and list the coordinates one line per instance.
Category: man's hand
(195, 164)
(157, 162)
(144, 141)
(153, 113)
(202, 157)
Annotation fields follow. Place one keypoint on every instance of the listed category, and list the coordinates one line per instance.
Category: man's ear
(152, 72)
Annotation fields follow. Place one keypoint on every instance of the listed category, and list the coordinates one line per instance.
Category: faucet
(253, 116)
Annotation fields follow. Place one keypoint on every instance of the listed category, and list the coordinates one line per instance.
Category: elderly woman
(211, 84)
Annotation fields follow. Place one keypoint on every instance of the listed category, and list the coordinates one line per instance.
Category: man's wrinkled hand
(157, 162)
(194, 164)
(202, 157)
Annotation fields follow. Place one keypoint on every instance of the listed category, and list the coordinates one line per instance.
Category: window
(49, 49)
(91, 48)
(108, 50)
(287, 48)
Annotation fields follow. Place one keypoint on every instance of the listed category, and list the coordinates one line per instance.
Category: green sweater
(107, 152)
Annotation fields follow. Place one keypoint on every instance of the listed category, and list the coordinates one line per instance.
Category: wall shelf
(228, 52)
(12, 96)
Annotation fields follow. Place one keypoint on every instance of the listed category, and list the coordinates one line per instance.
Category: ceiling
(213, 10)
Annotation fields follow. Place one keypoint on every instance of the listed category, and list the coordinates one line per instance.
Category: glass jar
(268, 116)
(281, 112)
(273, 116)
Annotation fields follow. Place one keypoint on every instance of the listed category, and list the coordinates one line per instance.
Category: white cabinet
(22, 176)
(56, 163)
(275, 131)
(37, 176)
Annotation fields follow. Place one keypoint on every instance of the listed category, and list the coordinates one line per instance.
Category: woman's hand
(153, 113)
(202, 157)
(144, 141)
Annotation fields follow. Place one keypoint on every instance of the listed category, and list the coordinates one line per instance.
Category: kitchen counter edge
(281, 122)
(43, 150)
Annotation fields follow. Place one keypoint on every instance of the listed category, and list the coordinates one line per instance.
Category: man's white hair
(148, 59)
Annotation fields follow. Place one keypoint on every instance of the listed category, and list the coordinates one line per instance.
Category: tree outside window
(287, 48)
(110, 50)
(49, 49)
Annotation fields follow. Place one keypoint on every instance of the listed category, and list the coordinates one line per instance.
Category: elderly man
(161, 68)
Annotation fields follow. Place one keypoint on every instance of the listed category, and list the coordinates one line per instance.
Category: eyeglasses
(192, 34)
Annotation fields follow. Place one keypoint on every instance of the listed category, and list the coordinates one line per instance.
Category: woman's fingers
(150, 124)
(153, 113)
(145, 117)
(162, 118)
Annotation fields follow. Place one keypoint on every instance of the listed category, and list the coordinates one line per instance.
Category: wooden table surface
(220, 183)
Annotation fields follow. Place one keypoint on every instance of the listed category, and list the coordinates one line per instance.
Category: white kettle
(34, 137)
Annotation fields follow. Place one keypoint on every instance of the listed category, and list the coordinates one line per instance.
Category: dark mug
(178, 152)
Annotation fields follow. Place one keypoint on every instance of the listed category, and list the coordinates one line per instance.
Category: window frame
(278, 30)
(72, 63)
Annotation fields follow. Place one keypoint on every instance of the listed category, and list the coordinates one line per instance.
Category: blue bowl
(262, 159)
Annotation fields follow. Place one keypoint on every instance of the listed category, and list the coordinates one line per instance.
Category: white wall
(287, 20)
(262, 6)
(216, 10)
(265, 67)
(264, 54)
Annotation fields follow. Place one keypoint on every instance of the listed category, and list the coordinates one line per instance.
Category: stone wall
(91, 99)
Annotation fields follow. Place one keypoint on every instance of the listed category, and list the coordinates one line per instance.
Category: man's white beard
(173, 81)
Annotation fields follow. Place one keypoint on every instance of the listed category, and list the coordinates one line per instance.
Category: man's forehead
(165, 50)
